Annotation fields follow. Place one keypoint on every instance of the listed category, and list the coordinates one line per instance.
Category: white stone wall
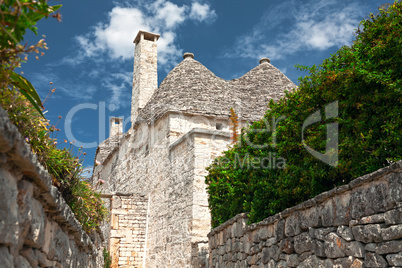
(166, 162)
(127, 230)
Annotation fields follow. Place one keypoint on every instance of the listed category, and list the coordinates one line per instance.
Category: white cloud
(117, 35)
(170, 15)
(313, 26)
(202, 12)
(113, 38)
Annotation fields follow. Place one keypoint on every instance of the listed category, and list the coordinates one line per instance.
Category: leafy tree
(365, 81)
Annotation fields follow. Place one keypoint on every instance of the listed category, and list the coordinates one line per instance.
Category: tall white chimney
(145, 76)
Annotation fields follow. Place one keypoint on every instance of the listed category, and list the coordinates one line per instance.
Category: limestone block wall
(128, 230)
(37, 227)
(355, 225)
(170, 175)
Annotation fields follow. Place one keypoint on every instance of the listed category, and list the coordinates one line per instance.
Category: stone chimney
(116, 126)
(145, 76)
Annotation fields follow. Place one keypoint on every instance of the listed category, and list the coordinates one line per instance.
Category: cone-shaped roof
(191, 88)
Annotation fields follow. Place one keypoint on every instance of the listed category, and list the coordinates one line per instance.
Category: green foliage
(365, 79)
(16, 16)
(62, 165)
(107, 259)
(24, 107)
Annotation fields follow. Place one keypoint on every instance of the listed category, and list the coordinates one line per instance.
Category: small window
(117, 122)
(219, 126)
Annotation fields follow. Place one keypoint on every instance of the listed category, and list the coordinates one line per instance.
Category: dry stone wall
(355, 225)
(37, 227)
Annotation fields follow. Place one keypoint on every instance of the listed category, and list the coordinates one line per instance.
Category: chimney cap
(188, 55)
(265, 60)
(114, 119)
(147, 36)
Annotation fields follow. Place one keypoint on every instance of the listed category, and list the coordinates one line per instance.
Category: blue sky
(90, 56)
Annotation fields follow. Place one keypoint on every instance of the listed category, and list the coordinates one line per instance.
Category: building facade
(153, 176)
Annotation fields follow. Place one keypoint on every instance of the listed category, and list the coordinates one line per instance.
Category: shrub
(365, 81)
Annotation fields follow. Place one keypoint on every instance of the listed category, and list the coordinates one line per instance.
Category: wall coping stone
(19, 153)
(321, 198)
(199, 131)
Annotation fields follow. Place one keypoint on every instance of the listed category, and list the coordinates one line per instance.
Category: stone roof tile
(191, 88)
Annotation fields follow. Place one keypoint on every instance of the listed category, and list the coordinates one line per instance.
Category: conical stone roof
(191, 88)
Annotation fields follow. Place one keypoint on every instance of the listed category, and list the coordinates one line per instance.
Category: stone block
(304, 256)
(279, 230)
(355, 249)
(6, 258)
(292, 225)
(394, 259)
(374, 260)
(282, 264)
(255, 237)
(335, 246)
(345, 232)
(303, 243)
(22, 263)
(370, 247)
(286, 246)
(270, 242)
(318, 248)
(321, 233)
(357, 263)
(377, 218)
(392, 232)
(263, 233)
(309, 217)
(274, 252)
(292, 260)
(395, 187)
(344, 262)
(62, 245)
(327, 213)
(370, 199)
(43, 261)
(342, 209)
(271, 264)
(36, 233)
(389, 247)
(8, 208)
(367, 233)
(393, 216)
(30, 256)
(49, 243)
(312, 262)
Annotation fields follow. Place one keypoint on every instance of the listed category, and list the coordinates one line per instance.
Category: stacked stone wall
(128, 230)
(37, 227)
(355, 225)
